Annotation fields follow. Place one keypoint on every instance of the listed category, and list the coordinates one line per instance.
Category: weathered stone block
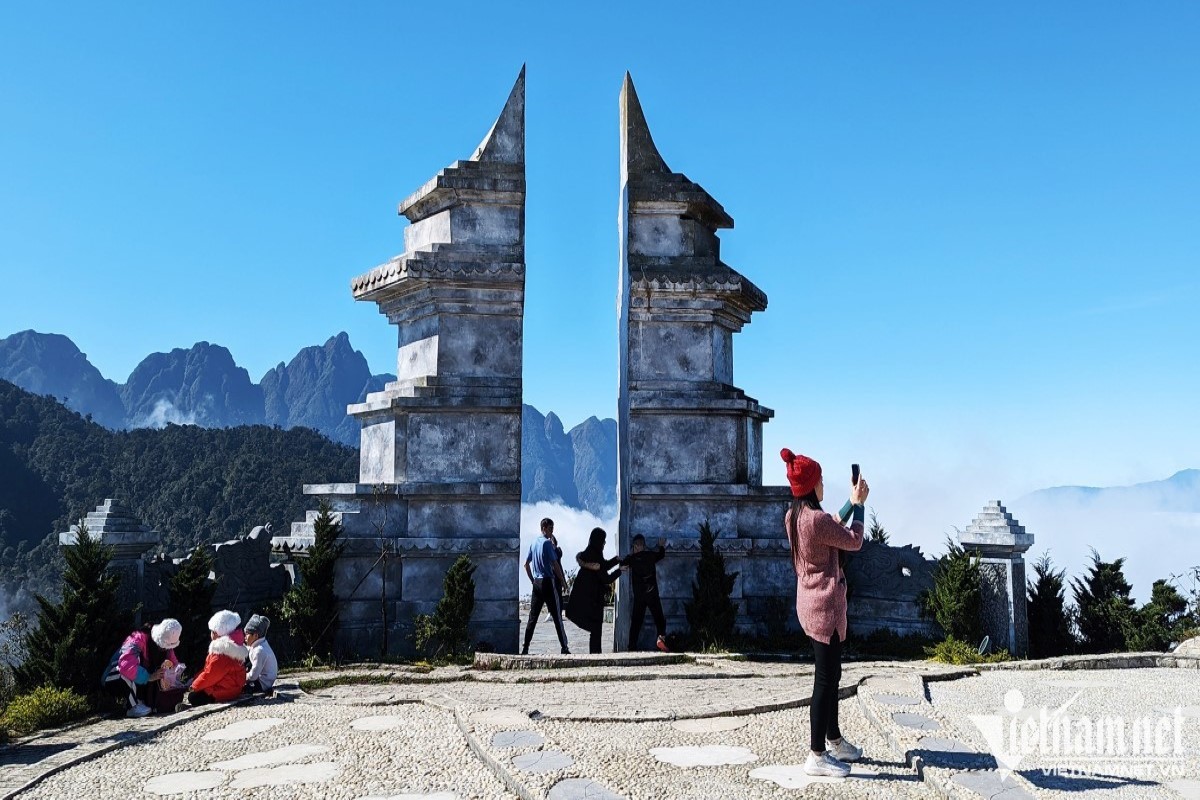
(681, 351)
(687, 448)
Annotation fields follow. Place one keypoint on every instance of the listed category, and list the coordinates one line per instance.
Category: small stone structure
(1001, 544)
(689, 442)
(246, 580)
(130, 540)
(440, 451)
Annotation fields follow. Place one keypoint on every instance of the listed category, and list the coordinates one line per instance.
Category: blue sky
(977, 224)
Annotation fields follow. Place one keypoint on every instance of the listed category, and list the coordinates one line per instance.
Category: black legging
(823, 713)
(650, 601)
(133, 693)
(545, 593)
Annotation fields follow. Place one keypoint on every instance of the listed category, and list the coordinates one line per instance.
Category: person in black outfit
(644, 577)
(586, 606)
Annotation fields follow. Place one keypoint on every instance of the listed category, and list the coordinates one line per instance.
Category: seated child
(223, 675)
(128, 675)
(264, 667)
(644, 577)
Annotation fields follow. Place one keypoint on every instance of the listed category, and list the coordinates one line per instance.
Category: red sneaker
(662, 645)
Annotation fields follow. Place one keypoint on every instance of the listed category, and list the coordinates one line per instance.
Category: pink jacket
(132, 659)
(820, 582)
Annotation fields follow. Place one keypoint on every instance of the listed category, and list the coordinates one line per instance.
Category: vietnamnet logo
(1058, 742)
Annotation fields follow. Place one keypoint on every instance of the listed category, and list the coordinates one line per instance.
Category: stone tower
(689, 441)
(1001, 543)
(440, 450)
(117, 527)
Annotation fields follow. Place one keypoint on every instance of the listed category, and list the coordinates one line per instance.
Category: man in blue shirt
(545, 572)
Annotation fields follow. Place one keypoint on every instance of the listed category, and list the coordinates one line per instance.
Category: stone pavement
(545, 640)
(713, 727)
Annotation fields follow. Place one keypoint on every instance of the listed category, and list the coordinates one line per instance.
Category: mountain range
(1179, 493)
(203, 385)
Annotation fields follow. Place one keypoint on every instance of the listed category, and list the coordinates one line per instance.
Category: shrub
(1106, 615)
(955, 600)
(446, 632)
(190, 595)
(711, 613)
(877, 533)
(76, 636)
(1163, 621)
(1049, 618)
(956, 651)
(44, 707)
(310, 606)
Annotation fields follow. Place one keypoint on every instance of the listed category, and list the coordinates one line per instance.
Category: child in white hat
(223, 677)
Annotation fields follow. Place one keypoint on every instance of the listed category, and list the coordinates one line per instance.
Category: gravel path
(712, 729)
(412, 749)
(619, 756)
(1101, 707)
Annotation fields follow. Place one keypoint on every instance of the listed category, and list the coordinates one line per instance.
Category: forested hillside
(192, 484)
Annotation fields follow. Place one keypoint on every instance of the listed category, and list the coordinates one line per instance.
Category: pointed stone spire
(505, 142)
(638, 152)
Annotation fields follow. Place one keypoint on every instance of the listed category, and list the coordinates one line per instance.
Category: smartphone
(854, 474)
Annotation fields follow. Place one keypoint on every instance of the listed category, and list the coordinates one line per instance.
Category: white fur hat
(166, 633)
(224, 622)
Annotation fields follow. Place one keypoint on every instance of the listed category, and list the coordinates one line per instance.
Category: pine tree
(75, 637)
(711, 613)
(1106, 615)
(877, 533)
(191, 593)
(447, 631)
(1049, 618)
(1161, 622)
(310, 606)
(955, 600)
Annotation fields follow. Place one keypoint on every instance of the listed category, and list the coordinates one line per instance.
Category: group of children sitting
(147, 676)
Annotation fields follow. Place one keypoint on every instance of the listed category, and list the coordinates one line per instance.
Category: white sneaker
(140, 710)
(825, 766)
(844, 751)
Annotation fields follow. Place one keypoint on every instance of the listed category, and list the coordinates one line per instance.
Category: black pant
(545, 593)
(823, 713)
(132, 693)
(200, 698)
(641, 602)
(594, 639)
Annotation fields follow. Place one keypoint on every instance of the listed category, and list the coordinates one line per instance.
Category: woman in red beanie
(816, 539)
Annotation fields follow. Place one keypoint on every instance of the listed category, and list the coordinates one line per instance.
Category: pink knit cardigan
(820, 582)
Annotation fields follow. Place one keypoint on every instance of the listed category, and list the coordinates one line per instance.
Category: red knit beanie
(802, 472)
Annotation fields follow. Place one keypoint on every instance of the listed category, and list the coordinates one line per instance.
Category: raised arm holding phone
(817, 540)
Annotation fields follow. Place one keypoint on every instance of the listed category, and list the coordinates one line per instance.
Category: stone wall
(884, 583)
(246, 579)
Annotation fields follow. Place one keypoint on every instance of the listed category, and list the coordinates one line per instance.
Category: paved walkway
(710, 728)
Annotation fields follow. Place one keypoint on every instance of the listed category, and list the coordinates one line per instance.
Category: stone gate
(440, 448)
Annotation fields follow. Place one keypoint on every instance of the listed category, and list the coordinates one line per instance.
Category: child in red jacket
(224, 673)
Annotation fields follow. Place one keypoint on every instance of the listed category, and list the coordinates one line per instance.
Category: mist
(571, 527)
